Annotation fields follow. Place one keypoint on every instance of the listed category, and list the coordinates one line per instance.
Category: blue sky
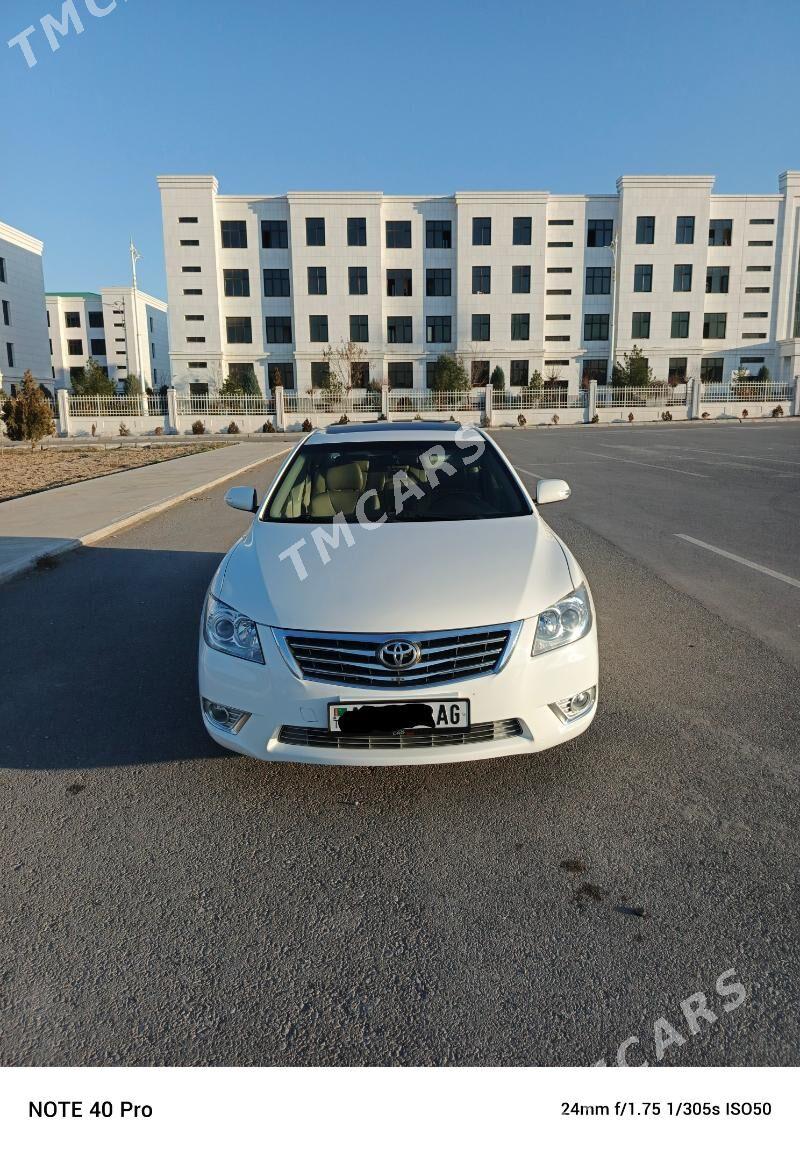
(410, 97)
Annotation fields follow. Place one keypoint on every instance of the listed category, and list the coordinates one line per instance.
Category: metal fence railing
(226, 405)
(754, 390)
(537, 397)
(653, 395)
(400, 400)
(325, 403)
(117, 405)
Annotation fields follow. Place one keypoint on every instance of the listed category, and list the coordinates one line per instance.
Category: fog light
(225, 717)
(575, 706)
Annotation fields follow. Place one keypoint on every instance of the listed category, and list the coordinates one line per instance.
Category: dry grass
(22, 471)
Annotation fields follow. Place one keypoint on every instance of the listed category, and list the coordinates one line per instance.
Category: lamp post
(135, 255)
(613, 333)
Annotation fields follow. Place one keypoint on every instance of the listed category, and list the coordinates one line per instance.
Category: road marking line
(533, 473)
(738, 559)
(704, 462)
(734, 455)
(639, 463)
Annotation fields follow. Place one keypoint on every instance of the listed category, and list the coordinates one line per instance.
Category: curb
(126, 521)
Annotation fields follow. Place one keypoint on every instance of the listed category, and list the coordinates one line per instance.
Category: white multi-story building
(125, 331)
(703, 284)
(23, 322)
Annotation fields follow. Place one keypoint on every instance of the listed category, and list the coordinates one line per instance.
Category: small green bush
(158, 431)
(777, 412)
(233, 427)
(595, 418)
(124, 429)
(521, 420)
(198, 427)
(308, 425)
(268, 427)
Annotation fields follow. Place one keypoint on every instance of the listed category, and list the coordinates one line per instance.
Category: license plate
(386, 718)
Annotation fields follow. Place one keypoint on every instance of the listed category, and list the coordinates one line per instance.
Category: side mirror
(552, 490)
(242, 498)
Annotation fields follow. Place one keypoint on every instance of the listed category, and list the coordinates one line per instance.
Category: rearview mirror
(552, 490)
(242, 498)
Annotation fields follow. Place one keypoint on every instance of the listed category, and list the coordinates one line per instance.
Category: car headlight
(231, 632)
(563, 623)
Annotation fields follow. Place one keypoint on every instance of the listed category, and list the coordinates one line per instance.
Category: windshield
(396, 481)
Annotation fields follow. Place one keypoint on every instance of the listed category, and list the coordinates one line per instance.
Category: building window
(401, 375)
(682, 277)
(359, 374)
(481, 231)
(239, 329)
(643, 277)
(560, 223)
(438, 234)
(398, 233)
(75, 346)
(559, 243)
(2, 270)
(678, 370)
(318, 328)
(596, 369)
(198, 364)
(759, 243)
(711, 370)
(437, 281)
(10, 354)
(356, 232)
(558, 316)
(762, 221)
(480, 327)
(317, 281)
(234, 233)
(399, 329)
(684, 230)
(559, 271)
(399, 282)
(559, 291)
(357, 281)
(520, 325)
(195, 318)
(754, 335)
(519, 373)
(439, 329)
(320, 374)
(72, 319)
(76, 374)
(281, 375)
(98, 346)
(595, 327)
(756, 315)
(481, 280)
(715, 325)
(240, 371)
(279, 328)
(191, 268)
(192, 339)
(556, 339)
(645, 229)
(717, 280)
(759, 267)
(237, 281)
(599, 233)
(315, 231)
(640, 325)
(720, 233)
(751, 359)
(521, 279)
(6, 313)
(598, 281)
(680, 325)
(359, 328)
(479, 373)
(274, 234)
(756, 290)
(96, 319)
(191, 244)
(187, 219)
(276, 281)
(522, 230)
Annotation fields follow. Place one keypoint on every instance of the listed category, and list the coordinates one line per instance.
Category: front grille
(445, 656)
(414, 739)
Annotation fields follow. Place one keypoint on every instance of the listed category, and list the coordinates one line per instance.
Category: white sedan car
(397, 599)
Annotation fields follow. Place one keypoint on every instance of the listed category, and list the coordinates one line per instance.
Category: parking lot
(164, 902)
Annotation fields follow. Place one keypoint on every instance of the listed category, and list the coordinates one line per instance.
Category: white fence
(323, 403)
(117, 405)
(226, 405)
(654, 395)
(413, 401)
(537, 399)
(752, 390)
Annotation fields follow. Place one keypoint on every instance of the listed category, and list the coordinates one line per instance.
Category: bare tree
(341, 361)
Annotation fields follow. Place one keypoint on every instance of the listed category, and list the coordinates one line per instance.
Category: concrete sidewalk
(50, 522)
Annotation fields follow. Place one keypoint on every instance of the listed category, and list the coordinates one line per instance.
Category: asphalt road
(164, 902)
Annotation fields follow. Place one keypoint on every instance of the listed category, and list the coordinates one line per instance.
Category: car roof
(378, 431)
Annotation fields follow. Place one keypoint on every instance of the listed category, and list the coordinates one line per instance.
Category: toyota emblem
(399, 654)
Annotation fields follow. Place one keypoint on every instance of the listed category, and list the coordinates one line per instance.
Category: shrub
(94, 430)
(745, 413)
(666, 416)
(498, 379)
(777, 412)
(418, 417)
(630, 417)
(381, 417)
(158, 430)
(595, 418)
(705, 415)
(198, 427)
(28, 415)
(133, 385)
(521, 420)
(94, 380)
(449, 374)
(124, 429)
(536, 380)
(634, 371)
(233, 427)
(342, 419)
(268, 427)
(308, 425)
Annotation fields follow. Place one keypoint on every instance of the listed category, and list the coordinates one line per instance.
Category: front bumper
(522, 690)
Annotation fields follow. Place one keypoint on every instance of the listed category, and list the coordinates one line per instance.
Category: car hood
(398, 577)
